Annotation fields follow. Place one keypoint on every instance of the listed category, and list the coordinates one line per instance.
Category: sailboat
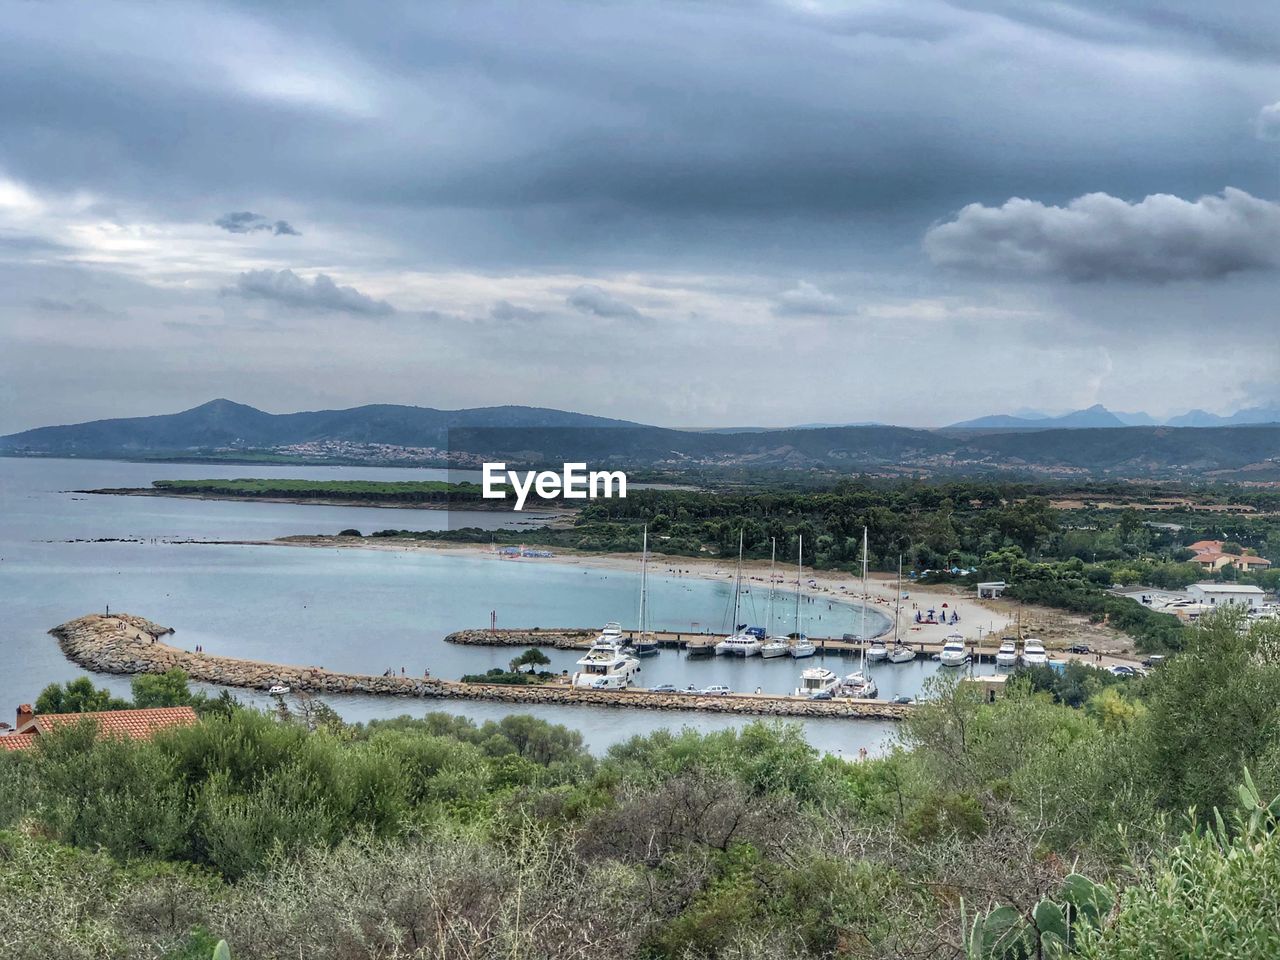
(740, 643)
(646, 643)
(774, 646)
(801, 646)
(900, 653)
(859, 685)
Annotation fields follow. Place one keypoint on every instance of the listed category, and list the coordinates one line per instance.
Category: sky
(691, 213)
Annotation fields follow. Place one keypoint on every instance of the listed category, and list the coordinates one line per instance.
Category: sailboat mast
(799, 575)
(897, 603)
(644, 582)
(737, 584)
(864, 599)
(773, 556)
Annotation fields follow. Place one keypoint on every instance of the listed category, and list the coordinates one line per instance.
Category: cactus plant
(1005, 934)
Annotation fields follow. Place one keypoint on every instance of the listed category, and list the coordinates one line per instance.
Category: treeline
(415, 491)
(299, 835)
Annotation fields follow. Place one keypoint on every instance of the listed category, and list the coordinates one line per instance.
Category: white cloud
(1101, 237)
(1267, 124)
(591, 299)
(285, 286)
(805, 299)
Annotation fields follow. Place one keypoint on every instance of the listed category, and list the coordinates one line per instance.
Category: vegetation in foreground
(1113, 830)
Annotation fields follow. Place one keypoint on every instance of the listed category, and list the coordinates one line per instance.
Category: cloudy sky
(686, 213)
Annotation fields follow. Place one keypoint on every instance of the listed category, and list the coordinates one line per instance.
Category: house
(1211, 558)
(1230, 594)
(1206, 546)
(991, 589)
(121, 724)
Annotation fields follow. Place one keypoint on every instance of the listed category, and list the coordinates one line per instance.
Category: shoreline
(490, 506)
(835, 587)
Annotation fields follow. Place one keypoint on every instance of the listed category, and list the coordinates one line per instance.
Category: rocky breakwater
(122, 643)
(561, 638)
(125, 644)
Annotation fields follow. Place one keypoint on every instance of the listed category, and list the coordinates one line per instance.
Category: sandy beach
(978, 619)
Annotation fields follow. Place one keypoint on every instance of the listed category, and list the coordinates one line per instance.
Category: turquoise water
(360, 610)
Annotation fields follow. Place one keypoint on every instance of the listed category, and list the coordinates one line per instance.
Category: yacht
(953, 652)
(1007, 655)
(606, 660)
(645, 643)
(775, 647)
(900, 653)
(802, 647)
(1033, 654)
(741, 643)
(877, 651)
(859, 686)
(817, 680)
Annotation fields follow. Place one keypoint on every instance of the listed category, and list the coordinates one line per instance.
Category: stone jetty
(126, 644)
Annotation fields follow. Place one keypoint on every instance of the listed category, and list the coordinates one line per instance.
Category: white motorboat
(775, 647)
(815, 681)
(877, 651)
(277, 690)
(1033, 654)
(902, 654)
(607, 660)
(859, 686)
(953, 652)
(1007, 655)
(802, 647)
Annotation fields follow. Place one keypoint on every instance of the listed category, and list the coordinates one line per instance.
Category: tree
(161, 689)
(77, 696)
(533, 657)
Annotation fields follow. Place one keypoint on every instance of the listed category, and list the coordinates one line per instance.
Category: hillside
(530, 435)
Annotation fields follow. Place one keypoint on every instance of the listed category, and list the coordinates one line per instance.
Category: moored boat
(1007, 655)
(815, 681)
(953, 652)
(1033, 654)
(605, 663)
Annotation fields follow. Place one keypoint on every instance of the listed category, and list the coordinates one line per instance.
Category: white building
(1217, 594)
(991, 590)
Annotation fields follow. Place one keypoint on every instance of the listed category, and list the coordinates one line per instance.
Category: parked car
(820, 695)
(716, 690)
(1123, 670)
(902, 698)
(1154, 660)
(1079, 648)
(663, 688)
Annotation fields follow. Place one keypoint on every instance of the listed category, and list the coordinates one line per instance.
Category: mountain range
(1088, 444)
(1099, 416)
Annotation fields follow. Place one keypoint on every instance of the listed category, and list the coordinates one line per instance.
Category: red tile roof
(1206, 546)
(17, 741)
(130, 724)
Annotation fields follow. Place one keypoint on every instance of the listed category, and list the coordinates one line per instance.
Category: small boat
(901, 654)
(877, 651)
(802, 647)
(277, 690)
(953, 652)
(859, 686)
(1007, 655)
(1033, 654)
(775, 647)
(815, 681)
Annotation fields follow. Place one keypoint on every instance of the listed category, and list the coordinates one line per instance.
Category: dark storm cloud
(246, 222)
(592, 300)
(1100, 237)
(618, 132)
(322, 293)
